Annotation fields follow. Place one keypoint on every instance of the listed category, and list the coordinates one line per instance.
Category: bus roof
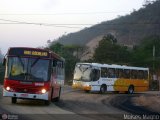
(114, 66)
(32, 52)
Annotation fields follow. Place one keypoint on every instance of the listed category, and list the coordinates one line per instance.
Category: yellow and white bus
(105, 77)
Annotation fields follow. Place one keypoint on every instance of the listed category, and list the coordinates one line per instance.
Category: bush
(154, 85)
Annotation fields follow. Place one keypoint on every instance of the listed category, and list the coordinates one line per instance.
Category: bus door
(95, 79)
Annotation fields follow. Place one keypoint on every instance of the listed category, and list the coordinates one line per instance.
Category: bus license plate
(24, 95)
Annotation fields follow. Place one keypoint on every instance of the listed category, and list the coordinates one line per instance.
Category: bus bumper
(86, 87)
(25, 95)
(83, 87)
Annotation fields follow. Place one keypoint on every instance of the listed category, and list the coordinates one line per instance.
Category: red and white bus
(33, 73)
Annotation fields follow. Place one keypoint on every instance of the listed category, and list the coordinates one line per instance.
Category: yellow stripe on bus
(123, 84)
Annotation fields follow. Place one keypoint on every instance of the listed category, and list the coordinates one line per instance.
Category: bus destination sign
(28, 52)
(35, 53)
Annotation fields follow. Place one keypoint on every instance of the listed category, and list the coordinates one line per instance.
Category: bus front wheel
(47, 102)
(87, 91)
(14, 100)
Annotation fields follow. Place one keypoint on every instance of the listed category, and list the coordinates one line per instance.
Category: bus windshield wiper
(85, 69)
(21, 62)
(35, 62)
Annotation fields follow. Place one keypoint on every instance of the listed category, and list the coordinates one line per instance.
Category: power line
(20, 22)
(74, 13)
(44, 24)
(7, 21)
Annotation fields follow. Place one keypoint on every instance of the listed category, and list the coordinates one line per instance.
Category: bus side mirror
(4, 61)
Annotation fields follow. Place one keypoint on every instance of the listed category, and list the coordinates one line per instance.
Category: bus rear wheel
(103, 89)
(131, 89)
(14, 100)
(47, 102)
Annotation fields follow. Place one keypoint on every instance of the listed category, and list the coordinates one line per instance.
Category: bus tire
(87, 91)
(103, 89)
(131, 89)
(14, 100)
(52, 95)
(47, 102)
(116, 92)
(58, 98)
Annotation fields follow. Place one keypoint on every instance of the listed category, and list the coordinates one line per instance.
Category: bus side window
(134, 74)
(111, 73)
(127, 73)
(95, 74)
(145, 74)
(120, 73)
(54, 63)
(140, 74)
(54, 68)
(116, 73)
(60, 70)
(104, 72)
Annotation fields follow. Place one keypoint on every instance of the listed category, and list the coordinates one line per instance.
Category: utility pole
(154, 58)
(155, 76)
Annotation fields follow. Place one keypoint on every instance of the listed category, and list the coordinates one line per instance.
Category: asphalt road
(101, 106)
(75, 104)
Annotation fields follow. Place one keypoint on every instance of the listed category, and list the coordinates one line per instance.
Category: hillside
(128, 30)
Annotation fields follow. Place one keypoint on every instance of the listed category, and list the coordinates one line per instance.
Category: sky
(31, 23)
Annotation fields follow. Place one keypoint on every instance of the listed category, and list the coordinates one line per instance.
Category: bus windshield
(82, 73)
(27, 69)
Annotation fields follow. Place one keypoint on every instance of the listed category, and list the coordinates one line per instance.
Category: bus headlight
(8, 88)
(43, 91)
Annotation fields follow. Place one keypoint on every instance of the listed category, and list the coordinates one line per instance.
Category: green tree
(147, 53)
(57, 48)
(110, 52)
